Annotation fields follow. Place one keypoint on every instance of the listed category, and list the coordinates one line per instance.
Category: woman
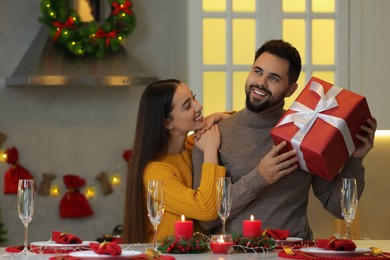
(168, 111)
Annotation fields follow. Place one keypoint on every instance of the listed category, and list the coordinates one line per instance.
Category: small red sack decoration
(15, 172)
(106, 248)
(74, 204)
(127, 155)
(65, 238)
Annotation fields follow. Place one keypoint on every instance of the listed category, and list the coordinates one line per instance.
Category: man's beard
(257, 105)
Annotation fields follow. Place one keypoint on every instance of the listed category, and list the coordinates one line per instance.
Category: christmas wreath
(87, 38)
(193, 245)
(255, 244)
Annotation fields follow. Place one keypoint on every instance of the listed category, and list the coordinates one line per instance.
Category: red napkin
(278, 234)
(14, 249)
(336, 244)
(106, 248)
(65, 238)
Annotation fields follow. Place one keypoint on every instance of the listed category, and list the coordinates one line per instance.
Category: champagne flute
(26, 194)
(349, 202)
(224, 199)
(155, 203)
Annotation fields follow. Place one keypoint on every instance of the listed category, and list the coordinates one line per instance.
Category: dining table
(384, 245)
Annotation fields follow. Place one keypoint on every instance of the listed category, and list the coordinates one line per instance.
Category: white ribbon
(305, 117)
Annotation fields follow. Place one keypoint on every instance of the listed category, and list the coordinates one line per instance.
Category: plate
(52, 244)
(93, 254)
(316, 251)
(289, 241)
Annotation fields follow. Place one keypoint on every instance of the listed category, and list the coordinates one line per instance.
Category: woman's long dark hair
(150, 143)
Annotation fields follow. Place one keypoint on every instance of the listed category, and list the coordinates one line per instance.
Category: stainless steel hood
(46, 64)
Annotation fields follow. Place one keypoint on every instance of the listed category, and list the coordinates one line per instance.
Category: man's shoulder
(231, 120)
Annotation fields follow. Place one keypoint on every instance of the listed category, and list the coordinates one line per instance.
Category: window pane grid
(234, 17)
(314, 11)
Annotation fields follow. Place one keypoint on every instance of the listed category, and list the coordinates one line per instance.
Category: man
(266, 183)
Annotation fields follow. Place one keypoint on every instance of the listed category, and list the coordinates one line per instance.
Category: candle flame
(183, 218)
(220, 239)
(252, 218)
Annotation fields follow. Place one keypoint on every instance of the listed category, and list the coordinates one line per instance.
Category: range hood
(47, 64)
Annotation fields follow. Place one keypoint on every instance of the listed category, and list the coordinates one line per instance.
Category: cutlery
(287, 249)
(376, 251)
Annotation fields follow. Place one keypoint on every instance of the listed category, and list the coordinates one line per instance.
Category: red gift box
(321, 125)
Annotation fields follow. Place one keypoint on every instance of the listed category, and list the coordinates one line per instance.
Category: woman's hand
(210, 120)
(209, 143)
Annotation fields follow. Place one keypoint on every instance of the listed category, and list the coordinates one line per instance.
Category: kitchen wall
(79, 130)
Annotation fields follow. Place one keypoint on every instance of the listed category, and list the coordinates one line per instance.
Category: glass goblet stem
(155, 236)
(348, 229)
(25, 248)
(223, 226)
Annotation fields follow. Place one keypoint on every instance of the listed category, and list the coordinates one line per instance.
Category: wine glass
(349, 202)
(224, 199)
(26, 194)
(155, 203)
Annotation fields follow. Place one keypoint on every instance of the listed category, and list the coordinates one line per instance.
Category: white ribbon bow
(305, 118)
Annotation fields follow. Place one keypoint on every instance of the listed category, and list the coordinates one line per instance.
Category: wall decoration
(87, 38)
(105, 183)
(74, 204)
(44, 186)
(15, 172)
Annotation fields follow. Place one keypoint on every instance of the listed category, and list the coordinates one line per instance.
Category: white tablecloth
(383, 244)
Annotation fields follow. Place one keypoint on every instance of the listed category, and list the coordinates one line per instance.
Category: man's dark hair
(283, 50)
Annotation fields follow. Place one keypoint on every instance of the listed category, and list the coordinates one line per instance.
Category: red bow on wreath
(101, 34)
(15, 172)
(68, 24)
(121, 7)
(74, 204)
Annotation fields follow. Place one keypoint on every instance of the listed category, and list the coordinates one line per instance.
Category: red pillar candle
(183, 229)
(251, 228)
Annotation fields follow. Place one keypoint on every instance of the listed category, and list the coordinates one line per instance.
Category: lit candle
(221, 244)
(251, 228)
(183, 229)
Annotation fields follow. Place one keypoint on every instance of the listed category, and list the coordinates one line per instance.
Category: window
(224, 35)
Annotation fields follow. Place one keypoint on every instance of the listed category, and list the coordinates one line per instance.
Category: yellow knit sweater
(175, 170)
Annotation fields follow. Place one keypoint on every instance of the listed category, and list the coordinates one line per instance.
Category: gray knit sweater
(282, 205)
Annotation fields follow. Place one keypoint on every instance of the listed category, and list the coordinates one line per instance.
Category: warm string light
(55, 190)
(90, 192)
(3, 156)
(115, 179)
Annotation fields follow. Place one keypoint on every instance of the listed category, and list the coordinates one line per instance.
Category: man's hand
(274, 166)
(368, 140)
(210, 120)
